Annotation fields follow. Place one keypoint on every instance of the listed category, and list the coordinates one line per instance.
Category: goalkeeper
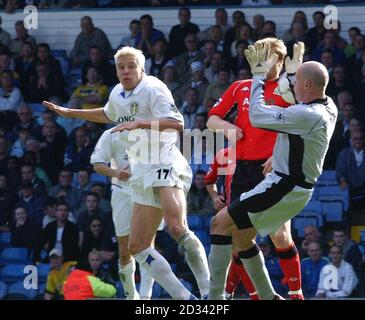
(253, 152)
(307, 126)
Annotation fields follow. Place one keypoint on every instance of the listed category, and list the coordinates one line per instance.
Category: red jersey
(256, 144)
(224, 164)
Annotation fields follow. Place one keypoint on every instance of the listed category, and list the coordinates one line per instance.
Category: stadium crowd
(47, 182)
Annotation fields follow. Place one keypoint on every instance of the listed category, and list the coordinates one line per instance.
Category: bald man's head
(314, 72)
(311, 81)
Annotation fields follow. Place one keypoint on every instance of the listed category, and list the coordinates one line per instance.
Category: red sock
(233, 278)
(290, 264)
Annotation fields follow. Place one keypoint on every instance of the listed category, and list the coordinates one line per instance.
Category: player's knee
(176, 230)
(136, 247)
(282, 238)
(216, 224)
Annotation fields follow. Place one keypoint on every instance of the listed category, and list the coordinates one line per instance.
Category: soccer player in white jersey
(159, 185)
(305, 130)
(111, 149)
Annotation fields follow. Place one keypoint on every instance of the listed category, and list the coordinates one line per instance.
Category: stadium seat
(328, 178)
(14, 255)
(18, 292)
(207, 249)
(5, 238)
(203, 236)
(195, 222)
(333, 193)
(299, 223)
(3, 290)
(59, 54)
(43, 270)
(41, 291)
(333, 211)
(104, 3)
(318, 215)
(156, 291)
(362, 235)
(314, 205)
(120, 289)
(13, 273)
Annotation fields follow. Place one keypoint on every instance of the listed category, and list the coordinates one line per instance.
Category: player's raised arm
(94, 115)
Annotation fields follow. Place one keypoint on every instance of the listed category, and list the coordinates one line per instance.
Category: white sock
(256, 269)
(219, 259)
(145, 289)
(197, 260)
(160, 270)
(126, 276)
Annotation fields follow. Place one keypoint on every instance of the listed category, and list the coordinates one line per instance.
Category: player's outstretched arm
(158, 125)
(94, 115)
(217, 123)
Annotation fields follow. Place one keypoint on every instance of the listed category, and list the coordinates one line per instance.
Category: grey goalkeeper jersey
(304, 133)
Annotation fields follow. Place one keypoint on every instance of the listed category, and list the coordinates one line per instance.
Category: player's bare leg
(127, 268)
(173, 203)
(289, 260)
(144, 224)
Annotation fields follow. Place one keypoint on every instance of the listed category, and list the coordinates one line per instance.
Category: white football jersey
(150, 100)
(111, 149)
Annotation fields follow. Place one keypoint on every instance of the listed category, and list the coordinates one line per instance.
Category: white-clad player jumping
(159, 187)
(111, 149)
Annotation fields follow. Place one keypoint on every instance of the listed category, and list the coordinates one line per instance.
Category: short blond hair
(129, 51)
(276, 46)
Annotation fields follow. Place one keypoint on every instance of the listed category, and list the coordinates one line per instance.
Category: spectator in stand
(200, 122)
(301, 18)
(359, 91)
(4, 35)
(23, 230)
(198, 199)
(311, 268)
(6, 63)
(340, 42)
(7, 201)
(106, 70)
(61, 234)
(91, 94)
(83, 184)
(239, 61)
(350, 172)
(328, 61)
(96, 238)
(52, 149)
(64, 189)
(269, 29)
(316, 34)
(43, 86)
(338, 83)
(216, 35)
(84, 217)
(88, 37)
(78, 152)
(180, 31)
(216, 89)
(95, 260)
(197, 81)
(356, 60)
(221, 19)
(216, 63)
(184, 60)
(350, 249)
(30, 158)
(350, 48)
(298, 33)
(244, 73)
(57, 276)
(232, 34)
(31, 202)
(158, 60)
(10, 99)
(18, 148)
(12, 168)
(25, 64)
(190, 107)
(169, 78)
(245, 35)
(343, 97)
(208, 48)
(130, 41)
(28, 174)
(50, 117)
(329, 44)
(258, 23)
(346, 281)
(312, 234)
(49, 211)
(4, 153)
(25, 115)
(148, 35)
(44, 56)
(21, 37)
